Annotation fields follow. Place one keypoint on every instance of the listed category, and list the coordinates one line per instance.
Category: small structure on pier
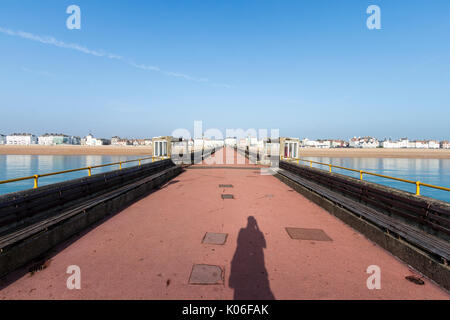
(282, 147)
(167, 145)
(289, 147)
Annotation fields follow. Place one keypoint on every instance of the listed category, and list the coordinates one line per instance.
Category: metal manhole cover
(215, 238)
(227, 196)
(225, 186)
(308, 234)
(206, 274)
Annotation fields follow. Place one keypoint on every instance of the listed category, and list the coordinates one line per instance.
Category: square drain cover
(215, 238)
(225, 186)
(206, 274)
(308, 234)
(227, 196)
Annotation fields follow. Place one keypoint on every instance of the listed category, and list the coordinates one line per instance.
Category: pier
(232, 230)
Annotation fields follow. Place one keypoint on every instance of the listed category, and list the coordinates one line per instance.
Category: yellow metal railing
(362, 172)
(89, 169)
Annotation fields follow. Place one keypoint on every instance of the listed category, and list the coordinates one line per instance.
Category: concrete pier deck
(148, 250)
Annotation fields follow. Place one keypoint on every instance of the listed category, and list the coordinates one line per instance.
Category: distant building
(323, 144)
(89, 140)
(51, 139)
(364, 142)
(445, 144)
(117, 141)
(399, 144)
(75, 140)
(231, 142)
(21, 139)
(419, 144)
(339, 144)
(308, 143)
(433, 144)
(2, 139)
(102, 142)
(141, 142)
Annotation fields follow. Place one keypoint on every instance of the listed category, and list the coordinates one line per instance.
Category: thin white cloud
(73, 46)
(42, 73)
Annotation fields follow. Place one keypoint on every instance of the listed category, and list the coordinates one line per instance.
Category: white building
(316, 143)
(231, 142)
(338, 144)
(401, 143)
(2, 139)
(309, 143)
(89, 140)
(117, 141)
(323, 144)
(54, 139)
(433, 144)
(445, 144)
(418, 144)
(364, 142)
(207, 143)
(21, 139)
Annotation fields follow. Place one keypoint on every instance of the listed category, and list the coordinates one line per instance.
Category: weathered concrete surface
(412, 255)
(148, 250)
(18, 252)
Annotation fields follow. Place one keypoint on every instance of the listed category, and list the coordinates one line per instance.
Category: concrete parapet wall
(427, 214)
(75, 204)
(423, 261)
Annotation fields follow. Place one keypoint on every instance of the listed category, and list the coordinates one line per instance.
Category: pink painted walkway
(147, 251)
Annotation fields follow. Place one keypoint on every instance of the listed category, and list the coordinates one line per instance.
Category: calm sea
(15, 166)
(432, 171)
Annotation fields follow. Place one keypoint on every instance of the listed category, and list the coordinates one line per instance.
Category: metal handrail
(362, 172)
(119, 163)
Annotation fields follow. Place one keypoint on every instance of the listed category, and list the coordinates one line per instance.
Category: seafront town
(53, 139)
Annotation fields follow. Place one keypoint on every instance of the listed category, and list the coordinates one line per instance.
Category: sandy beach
(376, 153)
(304, 152)
(76, 150)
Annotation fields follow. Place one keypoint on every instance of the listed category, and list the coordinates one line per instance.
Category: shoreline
(376, 153)
(147, 150)
(74, 150)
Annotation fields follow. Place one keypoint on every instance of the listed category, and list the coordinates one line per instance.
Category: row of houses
(117, 141)
(355, 142)
(90, 140)
(370, 142)
(45, 139)
(51, 139)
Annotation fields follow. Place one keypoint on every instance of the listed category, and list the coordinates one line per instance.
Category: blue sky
(309, 68)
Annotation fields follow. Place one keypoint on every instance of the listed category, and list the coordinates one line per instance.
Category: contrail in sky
(73, 46)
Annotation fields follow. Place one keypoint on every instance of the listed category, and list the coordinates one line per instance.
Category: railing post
(139, 162)
(35, 181)
(153, 159)
(298, 161)
(330, 167)
(90, 172)
(120, 165)
(310, 164)
(360, 174)
(418, 188)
